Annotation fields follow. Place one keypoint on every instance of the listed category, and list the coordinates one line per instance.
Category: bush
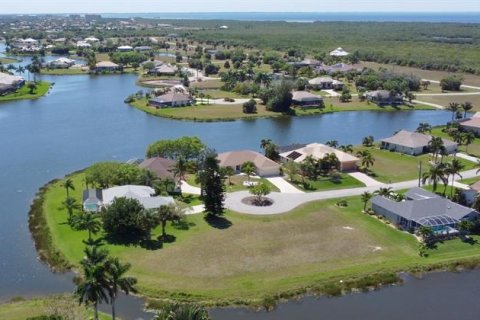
(451, 83)
(127, 217)
(250, 106)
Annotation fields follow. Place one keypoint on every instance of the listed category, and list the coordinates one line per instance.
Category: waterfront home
(10, 83)
(322, 83)
(318, 151)
(172, 99)
(336, 68)
(161, 167)
(125, 48)
(107, 66)
(305, 99)
(235, 159)
(384, 97)
(413, 143)
(472, 125)
(94, 200)
(60, 63)
(163, 70)
(339, 52)
(305, 63)
(423, 208)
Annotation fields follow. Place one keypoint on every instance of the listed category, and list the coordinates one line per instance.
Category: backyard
(24, 92)
(241, 259)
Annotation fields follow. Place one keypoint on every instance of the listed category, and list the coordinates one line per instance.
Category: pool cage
(439, 224)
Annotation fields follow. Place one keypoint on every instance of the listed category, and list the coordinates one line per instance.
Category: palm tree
(291, 168)
(368, 141)
(229, 172)
(424, 127)
(89, 222)
(71, 204)
(118, 282)
(68, 185)
(454, 168)
(346, 148)
(366, 196)
(384, 191)
(264, 143)
(149, 177)
(332, 143)
(435, 174)
(468, 139)
(436, 144)
(466, 106)
(249, 169)
(165, 213)
(93, 287)
(367, 159)
(453, 107)
(94, 256)
(425, 232)
(180, 168)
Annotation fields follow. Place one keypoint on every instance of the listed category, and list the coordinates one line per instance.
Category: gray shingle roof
(413, 139)
(422, 204)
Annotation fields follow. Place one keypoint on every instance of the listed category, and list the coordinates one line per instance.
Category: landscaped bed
(245, 259)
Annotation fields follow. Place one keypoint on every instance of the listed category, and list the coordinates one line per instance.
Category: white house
(339, 52)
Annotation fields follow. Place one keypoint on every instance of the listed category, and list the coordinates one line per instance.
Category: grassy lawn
(395, 167)
(189, 200)
(236, 183)
(245, 258)
(204, 113)
(445, 100)
(220, 94)
(7, 60)
(60, 72)
(24, 93)
(209, 84)
(473, 149)
(21, 309)
(325, 183)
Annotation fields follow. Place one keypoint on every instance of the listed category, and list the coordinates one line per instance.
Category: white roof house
(83, 44)
(92, 39)
(125, 48)
(9, 80)
(144, 194)
(339, 52)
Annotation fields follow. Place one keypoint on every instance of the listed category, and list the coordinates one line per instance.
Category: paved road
(285, 202)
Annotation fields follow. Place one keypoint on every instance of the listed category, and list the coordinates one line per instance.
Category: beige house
(106, 66)
(413, 143)
(235, 160)
(472, 125)
(305, 99)
(348, 162)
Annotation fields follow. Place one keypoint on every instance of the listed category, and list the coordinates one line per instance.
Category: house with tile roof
(413, 143)
(235, 160)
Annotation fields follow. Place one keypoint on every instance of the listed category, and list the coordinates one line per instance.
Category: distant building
(10, 83)
(472, 125)
(125, 48)
(305, 99)
(384, 97)
(172, 99)
(92, 40)
(423, 208)
(339, 52)
(163, 70)
(413, 143)
(60, 63)
(339, 67)
(163, 168)
(107, 66)
(143, 48)
(322, 83)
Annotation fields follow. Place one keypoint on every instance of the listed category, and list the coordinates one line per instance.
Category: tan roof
(475, 186)
(8, 79)
(318, 151)
(413, 139)
(165, 68)
(473, 122)
(106, 64)
(305, 96)
(320, 80)
(160, 166)
(236, 158)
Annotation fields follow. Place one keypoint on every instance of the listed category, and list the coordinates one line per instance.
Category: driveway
(467, 157)
(368, 181)
(283, 185)
(186, 188)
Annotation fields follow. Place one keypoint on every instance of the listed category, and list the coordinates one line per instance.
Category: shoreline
(341, 282)
(41, 91)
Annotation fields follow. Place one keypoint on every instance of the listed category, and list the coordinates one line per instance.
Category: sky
(154, 6)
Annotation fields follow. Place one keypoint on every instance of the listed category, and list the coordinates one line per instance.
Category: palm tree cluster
(270, 149)
(441, 172)
(102, 278)
(311, 167)
(456, 109)
(366, 158)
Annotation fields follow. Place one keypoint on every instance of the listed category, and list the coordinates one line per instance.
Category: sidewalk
(283, 185)
(362, 177)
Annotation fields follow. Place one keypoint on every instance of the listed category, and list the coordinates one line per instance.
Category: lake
(84, 120)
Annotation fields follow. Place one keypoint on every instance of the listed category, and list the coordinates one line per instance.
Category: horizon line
(262, 12)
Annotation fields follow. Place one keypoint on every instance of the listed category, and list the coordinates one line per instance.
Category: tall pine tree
(212, 185)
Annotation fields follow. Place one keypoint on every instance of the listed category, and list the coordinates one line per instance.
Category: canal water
(84, 120)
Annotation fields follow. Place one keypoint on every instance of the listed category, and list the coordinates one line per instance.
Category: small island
(16, 88)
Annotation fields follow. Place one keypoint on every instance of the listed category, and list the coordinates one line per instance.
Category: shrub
(451, 83)
(250, 106)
